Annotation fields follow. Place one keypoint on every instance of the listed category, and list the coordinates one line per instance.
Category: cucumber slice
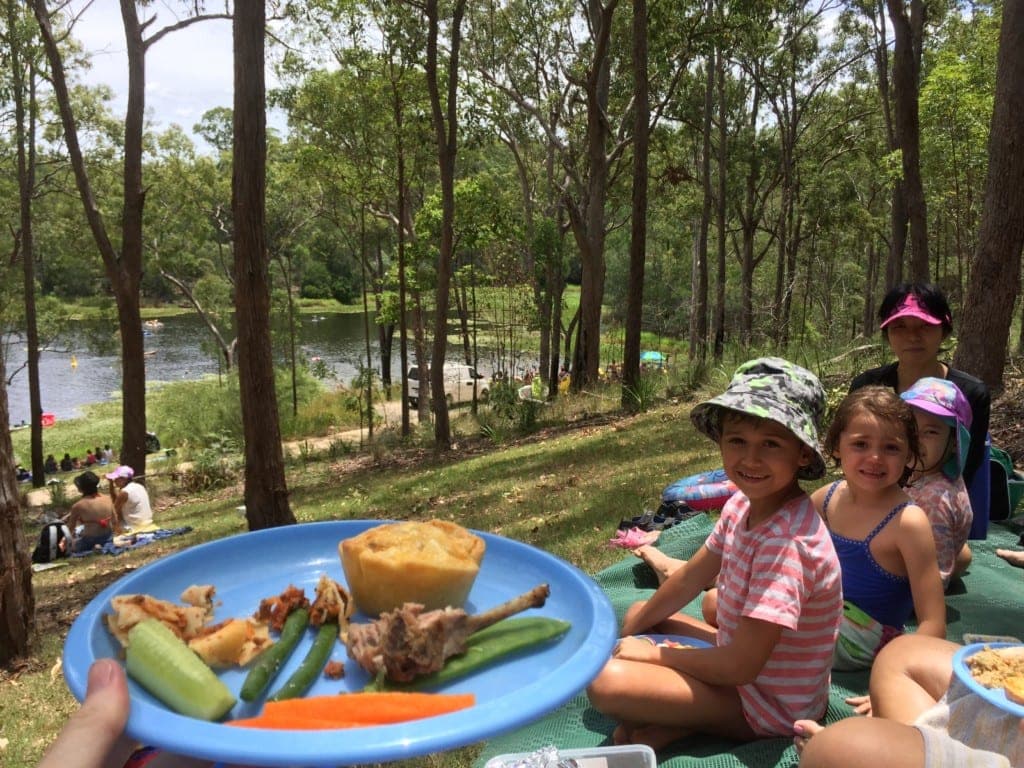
(162, 664)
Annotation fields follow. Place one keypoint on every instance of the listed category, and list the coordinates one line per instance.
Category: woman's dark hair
(88, 483)
(929, 296)
(882, 403)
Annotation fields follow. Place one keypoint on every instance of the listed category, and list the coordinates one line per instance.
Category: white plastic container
(626, 756)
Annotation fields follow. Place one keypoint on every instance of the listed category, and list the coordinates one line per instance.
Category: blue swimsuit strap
(828, 497)
(885, 521)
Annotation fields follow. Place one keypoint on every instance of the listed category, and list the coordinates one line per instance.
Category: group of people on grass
(96, 518)
(794, 585)
(68, 463)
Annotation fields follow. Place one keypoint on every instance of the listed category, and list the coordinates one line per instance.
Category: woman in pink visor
(915, 320)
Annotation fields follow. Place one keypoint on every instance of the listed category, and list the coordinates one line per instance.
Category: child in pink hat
(943, 418)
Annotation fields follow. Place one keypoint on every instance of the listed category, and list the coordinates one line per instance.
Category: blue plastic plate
(682, 639)
(994, 696)
(248, 567)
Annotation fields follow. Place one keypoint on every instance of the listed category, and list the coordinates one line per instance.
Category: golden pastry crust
(1014, 688)
(433, 563)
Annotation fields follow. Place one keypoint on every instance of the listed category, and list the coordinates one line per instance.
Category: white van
(459, 381)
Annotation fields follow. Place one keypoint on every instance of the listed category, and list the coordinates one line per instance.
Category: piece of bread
(1013, 687)
(433, 563)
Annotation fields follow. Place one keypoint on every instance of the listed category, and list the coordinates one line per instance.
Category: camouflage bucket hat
(776, 389)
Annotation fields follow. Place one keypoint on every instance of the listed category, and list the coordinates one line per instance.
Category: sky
(187, 72)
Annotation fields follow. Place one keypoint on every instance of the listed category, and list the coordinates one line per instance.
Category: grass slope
(563, 489)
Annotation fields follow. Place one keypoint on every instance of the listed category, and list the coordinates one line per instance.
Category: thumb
(93, 736)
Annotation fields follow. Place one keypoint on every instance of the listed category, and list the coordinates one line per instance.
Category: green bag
(1007, 485)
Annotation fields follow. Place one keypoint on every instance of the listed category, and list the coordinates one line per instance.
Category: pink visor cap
(121, 473)
(911, 307)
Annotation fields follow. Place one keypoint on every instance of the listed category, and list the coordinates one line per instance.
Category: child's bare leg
(860, 742)
(658, 705)
(963, 561)
(662, 565)
(909, 675)
(1013, 558)
(678, 624)
(709, 607)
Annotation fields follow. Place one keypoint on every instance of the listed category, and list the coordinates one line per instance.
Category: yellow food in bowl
(433, 563)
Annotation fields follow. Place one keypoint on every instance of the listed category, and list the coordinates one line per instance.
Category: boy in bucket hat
(943, 418)
(779, 585)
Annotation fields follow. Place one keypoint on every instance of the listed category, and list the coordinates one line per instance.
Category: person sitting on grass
(884, 540)
(943, 418)
(131, 500)
(780, 600)
(923, 717)
(95, 513)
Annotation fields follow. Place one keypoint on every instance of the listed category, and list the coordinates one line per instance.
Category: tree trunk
(720, 207)
(588, 217)
(908, 31)
(699, 318)
(17, 603)
(266, 493)
(995, 270)
(445, 129)
(124, 270)
(25, 140)
(385, 331)
(638, 232)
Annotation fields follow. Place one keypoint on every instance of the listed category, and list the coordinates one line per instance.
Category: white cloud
(188, 72)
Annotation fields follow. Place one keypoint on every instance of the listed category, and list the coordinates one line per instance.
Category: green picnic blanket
(989, 599)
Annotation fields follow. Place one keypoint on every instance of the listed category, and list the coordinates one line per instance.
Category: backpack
(50, 539)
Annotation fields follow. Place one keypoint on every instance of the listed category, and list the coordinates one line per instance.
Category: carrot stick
(355, 710)
(284, 723)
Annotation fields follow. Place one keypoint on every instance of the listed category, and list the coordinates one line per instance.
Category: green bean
(269, 662)
(484, 648)
(311, 666)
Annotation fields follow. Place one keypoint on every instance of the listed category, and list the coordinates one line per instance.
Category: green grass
(194, 415)
(563, 488)
(564, 491)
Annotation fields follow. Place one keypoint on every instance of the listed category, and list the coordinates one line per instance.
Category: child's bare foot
(622, 735)
(1015, 559)
(802, 732)
(657, 736)
(660, 563)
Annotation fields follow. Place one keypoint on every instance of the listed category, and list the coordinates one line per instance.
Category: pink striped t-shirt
(784, 571)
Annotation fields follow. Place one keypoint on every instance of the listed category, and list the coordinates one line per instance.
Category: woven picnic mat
(990, 599)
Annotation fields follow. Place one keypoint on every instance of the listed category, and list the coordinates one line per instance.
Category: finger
(93, 736)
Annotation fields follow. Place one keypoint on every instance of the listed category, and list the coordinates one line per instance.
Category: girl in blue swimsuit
(884, 541)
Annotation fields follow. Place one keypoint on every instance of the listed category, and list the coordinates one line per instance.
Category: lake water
(72, 373)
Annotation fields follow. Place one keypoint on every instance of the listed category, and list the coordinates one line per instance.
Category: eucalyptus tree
(24, 58)
(344, 114)
(375, 112)
(496, 116)
(17, 602)
(908, 25)
(798, 73)
(956, 104)
(189, 230)
(266, 490)
(123, 264)
(560, 69)
(995, 271)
